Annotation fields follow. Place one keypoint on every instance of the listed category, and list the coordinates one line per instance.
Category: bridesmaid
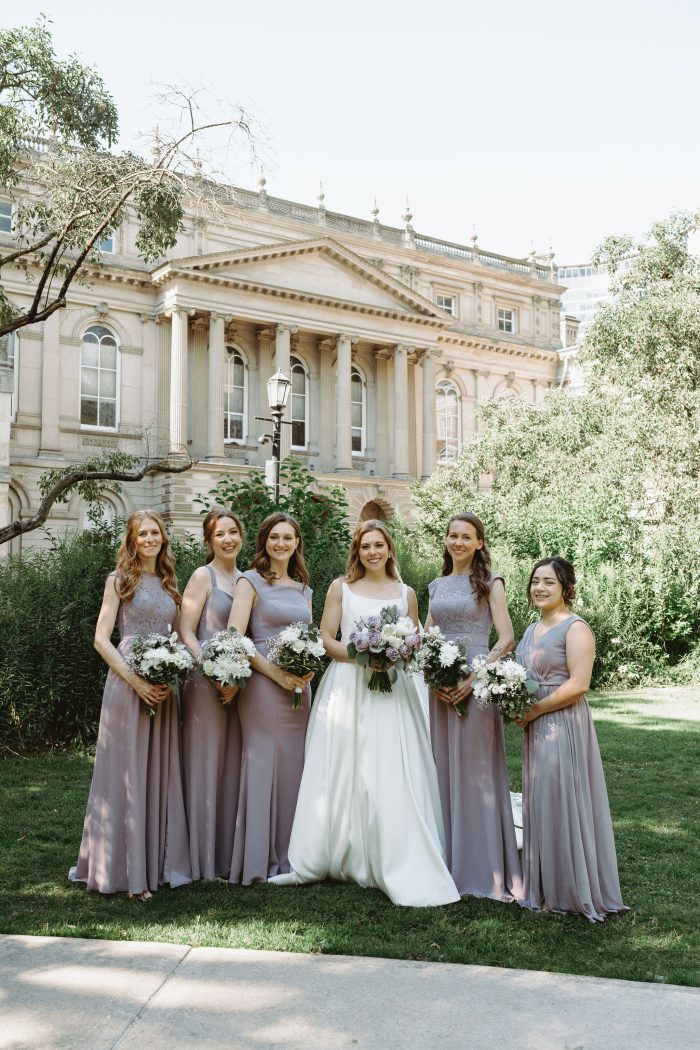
(135, 831)
(211, 731)
(465, 602)
(569, 860)
(271, 595)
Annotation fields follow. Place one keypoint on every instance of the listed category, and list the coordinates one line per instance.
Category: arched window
(99, 365)
(448, 421)
(359, 411)
(235, 396)
(300, 404)
(9, 353)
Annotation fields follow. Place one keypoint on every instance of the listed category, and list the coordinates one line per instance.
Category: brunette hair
(261, 559)
(564, 572)
(481, 562)
(354, 569)
(129, 571)
(209, 527)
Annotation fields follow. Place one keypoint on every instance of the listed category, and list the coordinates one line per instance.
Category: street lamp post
(278, 390)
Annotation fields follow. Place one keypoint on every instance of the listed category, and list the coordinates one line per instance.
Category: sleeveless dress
(482, 852)
(135, 831)
(272, 739)
(211, 748)
(569, 861)
(369, 808)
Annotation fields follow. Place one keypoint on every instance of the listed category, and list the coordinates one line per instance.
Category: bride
(369, 808)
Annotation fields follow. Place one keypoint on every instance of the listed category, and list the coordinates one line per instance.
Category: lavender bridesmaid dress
(569, 861)
(273, 735)
(482, 853)
(135, 831)
(211, 746)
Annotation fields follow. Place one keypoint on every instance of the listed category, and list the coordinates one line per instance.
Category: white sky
(573, 120)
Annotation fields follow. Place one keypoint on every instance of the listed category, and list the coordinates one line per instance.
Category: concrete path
(60, 993)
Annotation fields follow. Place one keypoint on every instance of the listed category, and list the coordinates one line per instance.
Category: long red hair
(354, 569)
(129, 570)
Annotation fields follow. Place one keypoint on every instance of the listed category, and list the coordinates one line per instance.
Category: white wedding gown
(369, 807)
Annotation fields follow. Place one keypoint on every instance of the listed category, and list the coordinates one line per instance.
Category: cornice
(492, 346)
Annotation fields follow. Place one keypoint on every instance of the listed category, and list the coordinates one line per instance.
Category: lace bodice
(151, 610)
(457, 613)
(355, 606)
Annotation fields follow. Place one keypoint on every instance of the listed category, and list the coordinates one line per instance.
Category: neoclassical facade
(390, 339)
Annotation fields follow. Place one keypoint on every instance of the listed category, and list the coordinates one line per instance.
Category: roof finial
(375, 212)
(407, 217)
(321, 203)
(262, 189)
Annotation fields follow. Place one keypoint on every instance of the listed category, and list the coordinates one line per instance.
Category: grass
(650, 741)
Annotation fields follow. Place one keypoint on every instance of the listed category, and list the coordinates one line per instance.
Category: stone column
(215, 388)
(327, 414)
(401, 450)
(428, 463)
(50, 444)
(382, 411)
(283, 344)
(178, 380)
(149, 385)
(343, 417)
(265, 370)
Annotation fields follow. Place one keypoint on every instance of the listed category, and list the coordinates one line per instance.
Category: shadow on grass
(651, 773)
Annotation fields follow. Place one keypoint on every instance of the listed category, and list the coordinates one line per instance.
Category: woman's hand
(462, 690)
(289, 681)
(150, 694)
(530, 715)
(228, 692)
(443, 694)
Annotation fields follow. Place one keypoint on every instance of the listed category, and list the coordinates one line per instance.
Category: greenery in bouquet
(504, 683)
(384, 643)
(444, 664)
(159, 659)
(299, 650)
(226, 658)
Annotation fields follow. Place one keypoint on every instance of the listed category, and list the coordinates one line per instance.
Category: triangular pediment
(321, 269)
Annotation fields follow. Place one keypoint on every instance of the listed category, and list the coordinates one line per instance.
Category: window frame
(112, 239)
(10, 216)
(363, 428)
(13, 356)
(513, 319)
(117, 399)
(295, 361)
(230, 350)
(446, 384)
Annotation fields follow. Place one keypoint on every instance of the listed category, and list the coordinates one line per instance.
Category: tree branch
(68, 481)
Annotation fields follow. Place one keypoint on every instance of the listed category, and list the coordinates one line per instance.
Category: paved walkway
(60, 993)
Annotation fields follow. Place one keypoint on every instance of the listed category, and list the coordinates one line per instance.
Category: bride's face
(374, 551)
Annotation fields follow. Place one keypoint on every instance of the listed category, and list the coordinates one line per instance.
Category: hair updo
(564, 572)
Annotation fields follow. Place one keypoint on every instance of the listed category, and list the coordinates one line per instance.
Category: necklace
(229, 579)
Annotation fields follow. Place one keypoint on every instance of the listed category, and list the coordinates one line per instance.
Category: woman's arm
(330, 622)
(149, 693)
(413, 606)
(580, 654)
(505, 636)
(196, 593)
(244, 598)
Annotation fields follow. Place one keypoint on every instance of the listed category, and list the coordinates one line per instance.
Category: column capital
(326, 344)
(265, 333)
(382, 353)
(284, 326)
(402, 348)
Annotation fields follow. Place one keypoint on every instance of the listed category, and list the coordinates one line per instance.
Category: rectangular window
(106, 245)
(506, 320)
(5, 217)
(447, 303)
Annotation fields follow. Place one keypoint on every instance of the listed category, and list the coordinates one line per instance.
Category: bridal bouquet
(226, 658)
(160, 659)
(505, 684)
(299, 650)
(385, 643)
(443, 663)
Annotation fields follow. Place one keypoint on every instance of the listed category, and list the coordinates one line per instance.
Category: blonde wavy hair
(354, 569)
(129, 570)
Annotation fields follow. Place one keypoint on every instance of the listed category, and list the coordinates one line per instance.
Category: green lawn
(650, 742)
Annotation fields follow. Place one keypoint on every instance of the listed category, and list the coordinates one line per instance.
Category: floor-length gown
(369, 809)
(211, 749)
(569, 861)
(272, 738)
(481, 848)
(135, 831)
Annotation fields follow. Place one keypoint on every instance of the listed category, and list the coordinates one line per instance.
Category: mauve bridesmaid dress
(482, 852)
(211, 747)
(135, 831)
(569, 861)
(272, 737)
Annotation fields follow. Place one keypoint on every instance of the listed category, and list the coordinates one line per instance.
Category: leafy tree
(58, 123)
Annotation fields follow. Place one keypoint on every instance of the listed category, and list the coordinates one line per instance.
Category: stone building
(390, 338)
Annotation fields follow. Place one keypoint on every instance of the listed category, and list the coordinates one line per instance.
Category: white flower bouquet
(384, 643)
(159, 659)
(226, 658)
(443, 663)
(505, 684)
(299, 650)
